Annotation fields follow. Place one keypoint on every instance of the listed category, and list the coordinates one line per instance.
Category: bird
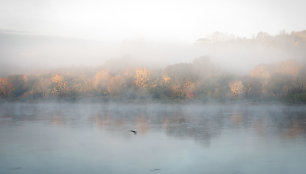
(135, 132)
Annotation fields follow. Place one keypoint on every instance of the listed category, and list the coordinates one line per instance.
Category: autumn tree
(5, 87)
(142, 77)
(237, 88)
(261, 71)
(41, 87)
(59, 85)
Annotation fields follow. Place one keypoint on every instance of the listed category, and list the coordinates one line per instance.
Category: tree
(59, 86)
(142, 77)
(116, 85)
(237, 88)
(101, 81)
(19, 84)
(5, 87)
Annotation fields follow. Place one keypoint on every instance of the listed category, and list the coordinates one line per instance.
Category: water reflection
(202, 124)
(195, 137)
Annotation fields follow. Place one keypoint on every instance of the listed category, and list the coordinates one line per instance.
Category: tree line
(200, 81)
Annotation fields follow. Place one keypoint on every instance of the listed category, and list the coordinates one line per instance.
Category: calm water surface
(94, 138)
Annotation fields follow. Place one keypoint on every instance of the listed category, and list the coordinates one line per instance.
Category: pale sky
(186, 20)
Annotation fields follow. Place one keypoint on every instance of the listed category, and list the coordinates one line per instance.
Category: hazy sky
(185, 20)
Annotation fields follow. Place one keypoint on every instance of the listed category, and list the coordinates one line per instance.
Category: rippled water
(95, 138)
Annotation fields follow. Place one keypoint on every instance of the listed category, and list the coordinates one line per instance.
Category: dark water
(94, 138)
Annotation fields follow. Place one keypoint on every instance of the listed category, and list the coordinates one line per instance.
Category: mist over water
(143, 86)
(95, 138)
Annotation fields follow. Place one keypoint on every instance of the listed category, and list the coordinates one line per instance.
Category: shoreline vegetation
(198, 82)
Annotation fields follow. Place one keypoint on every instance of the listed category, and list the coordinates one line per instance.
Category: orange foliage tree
(142, 77)
(237, 88)
(59, 85)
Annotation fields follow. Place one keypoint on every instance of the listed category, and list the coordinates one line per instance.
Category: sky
(162, 20)
(48, 34)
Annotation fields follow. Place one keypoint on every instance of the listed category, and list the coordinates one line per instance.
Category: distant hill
(245, 53)
(293, 40)
(22, 52)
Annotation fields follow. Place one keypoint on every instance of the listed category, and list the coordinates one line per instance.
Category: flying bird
(135, 132)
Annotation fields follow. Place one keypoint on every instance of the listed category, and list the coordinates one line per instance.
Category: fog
(94, 137)
(143, 86)
(35, 51)
(29, 53)
(167, 20)
(47, 34)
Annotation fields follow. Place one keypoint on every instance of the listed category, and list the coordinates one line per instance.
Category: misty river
(78, 138)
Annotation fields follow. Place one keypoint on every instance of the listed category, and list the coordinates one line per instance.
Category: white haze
(47, 34)
(185, 20)
(25, 53)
